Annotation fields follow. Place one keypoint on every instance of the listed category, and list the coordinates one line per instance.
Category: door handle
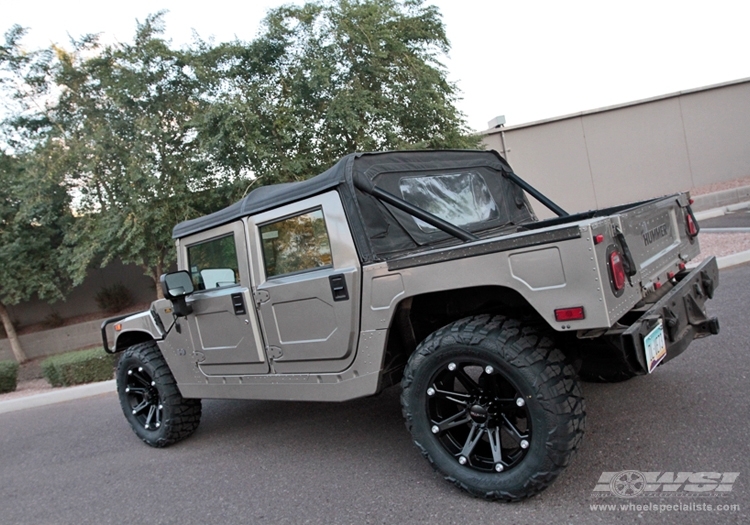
(338, 287)
(238, 303)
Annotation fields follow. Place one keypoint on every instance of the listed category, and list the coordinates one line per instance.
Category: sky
(527, 60)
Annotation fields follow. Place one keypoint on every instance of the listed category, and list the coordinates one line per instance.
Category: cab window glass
(296, 244)
(213, 263)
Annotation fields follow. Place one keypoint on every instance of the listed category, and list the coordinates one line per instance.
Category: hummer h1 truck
(427, 268)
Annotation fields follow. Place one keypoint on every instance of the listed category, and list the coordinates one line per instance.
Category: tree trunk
(155, 274)
(10, 330)
(159, 269)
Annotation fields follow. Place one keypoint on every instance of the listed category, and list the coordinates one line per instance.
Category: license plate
(655, 347)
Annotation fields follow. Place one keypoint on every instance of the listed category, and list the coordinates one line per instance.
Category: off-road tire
(518, 359)
(145, 385)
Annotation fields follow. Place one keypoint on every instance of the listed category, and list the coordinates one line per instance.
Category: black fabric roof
(378, 229)
(265, 198)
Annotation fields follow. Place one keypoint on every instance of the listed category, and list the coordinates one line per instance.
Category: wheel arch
(417, 316)
(131, 338)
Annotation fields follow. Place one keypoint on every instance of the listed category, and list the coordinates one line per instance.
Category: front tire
(150, 400)
(493, 406)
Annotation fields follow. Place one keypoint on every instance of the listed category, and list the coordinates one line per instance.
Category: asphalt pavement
(78, 461)
(731, 220)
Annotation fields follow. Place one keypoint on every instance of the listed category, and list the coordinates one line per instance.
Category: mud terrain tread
(556, 388)
(184, 414)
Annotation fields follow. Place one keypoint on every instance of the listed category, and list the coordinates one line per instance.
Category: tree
(34, 203)
(131, 152)
(34, 212)
(326, 79)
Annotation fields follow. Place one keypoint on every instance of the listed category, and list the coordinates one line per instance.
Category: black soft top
(381, 231)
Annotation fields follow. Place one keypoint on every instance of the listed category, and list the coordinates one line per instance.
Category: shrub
(82, 366)
(114, 298)
(8, 376)
(53, 320)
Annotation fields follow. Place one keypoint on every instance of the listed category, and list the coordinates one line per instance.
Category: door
(308, 285)
(223, 325)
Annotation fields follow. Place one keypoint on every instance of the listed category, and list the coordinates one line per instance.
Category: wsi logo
(632, 483)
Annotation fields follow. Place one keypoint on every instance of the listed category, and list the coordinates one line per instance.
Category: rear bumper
(682, 312)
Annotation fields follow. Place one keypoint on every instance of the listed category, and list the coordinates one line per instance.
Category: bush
(114, 298)
(8, 376)
(53, 320)
(82, 366)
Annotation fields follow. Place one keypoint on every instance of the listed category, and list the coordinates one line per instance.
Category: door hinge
(260, 296)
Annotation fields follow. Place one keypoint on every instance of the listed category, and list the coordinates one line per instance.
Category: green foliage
(8, 376)
(114, 298)
(145, 136)
(330, 78)
(125, 114)
(82, 366)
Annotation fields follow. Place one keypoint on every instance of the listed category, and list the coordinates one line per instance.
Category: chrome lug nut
(160, 407)
(130, 372)
(488, 369)
(499, 467)
(430, 391)
(145, 426)
(452, 367)
(153, 383)
(435, 429)
(520, 402)
(158, 425)
(140, 369)
(134, 412)
(127, 389)
(462, 460)
(524, 444)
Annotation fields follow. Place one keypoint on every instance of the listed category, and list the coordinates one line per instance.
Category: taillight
(617, 270)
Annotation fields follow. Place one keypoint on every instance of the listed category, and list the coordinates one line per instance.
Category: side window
(296, 244)
(213, 263)
(459, 198)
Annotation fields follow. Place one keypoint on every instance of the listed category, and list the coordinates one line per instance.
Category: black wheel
(150, 400)
(493, 406)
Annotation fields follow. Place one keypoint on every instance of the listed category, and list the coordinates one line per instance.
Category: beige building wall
(633, 151)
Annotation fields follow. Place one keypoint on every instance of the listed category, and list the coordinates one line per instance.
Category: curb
(720, 199)
(721, 211)
(59, 396)
(733, 260)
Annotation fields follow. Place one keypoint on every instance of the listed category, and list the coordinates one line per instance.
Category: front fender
(130, 329)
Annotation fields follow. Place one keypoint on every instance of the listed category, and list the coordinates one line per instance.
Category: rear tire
(493, 406)
(150, 400)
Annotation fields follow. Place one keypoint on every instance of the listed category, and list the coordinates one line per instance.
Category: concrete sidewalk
(94, 389)
(58, 396)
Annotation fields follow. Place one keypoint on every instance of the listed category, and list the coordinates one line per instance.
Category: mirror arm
(180, 308)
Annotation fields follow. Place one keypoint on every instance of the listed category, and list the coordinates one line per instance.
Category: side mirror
(176, 286)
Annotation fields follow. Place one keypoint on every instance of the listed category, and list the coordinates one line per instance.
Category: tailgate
(657, 236)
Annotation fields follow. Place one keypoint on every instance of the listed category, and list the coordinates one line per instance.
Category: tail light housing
(616, 267)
